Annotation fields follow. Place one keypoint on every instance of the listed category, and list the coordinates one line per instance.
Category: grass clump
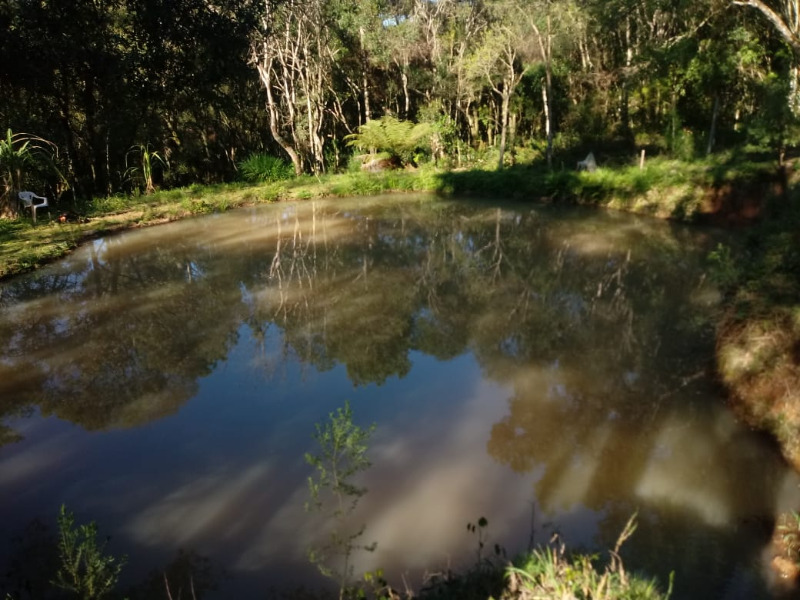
(265, 168)
(550, 573)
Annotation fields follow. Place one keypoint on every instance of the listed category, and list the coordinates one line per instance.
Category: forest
(124, 96)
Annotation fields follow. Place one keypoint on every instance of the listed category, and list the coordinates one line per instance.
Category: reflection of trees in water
(119, 343)
(124, 338)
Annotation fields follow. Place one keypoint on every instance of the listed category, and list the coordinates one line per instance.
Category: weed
(551, 573)
(724, 270)
(342, 456)
(85, 569)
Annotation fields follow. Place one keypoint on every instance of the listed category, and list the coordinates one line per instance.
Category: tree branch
(786, 32)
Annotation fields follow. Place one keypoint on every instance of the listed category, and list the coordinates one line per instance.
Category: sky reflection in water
(525, 364)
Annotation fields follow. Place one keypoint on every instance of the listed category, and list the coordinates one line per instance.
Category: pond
(548, 369)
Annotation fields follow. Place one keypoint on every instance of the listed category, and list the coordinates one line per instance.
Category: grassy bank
(719, 190)
(758, 338)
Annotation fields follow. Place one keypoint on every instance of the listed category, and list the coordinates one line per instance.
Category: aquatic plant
(551, 573)
(86, 570)
(342, 455)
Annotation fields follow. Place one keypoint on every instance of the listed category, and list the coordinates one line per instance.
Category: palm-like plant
(15, 156)
(19, 155)
(146, 159)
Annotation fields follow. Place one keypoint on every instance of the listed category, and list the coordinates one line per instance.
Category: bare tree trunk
(625, 109)
(504, 124)
(266, 78)
(713, 131)
(364, 82)
(548, 109)
(546, 48)
(404, 79)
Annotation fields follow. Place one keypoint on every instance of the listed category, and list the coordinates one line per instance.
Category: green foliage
(776, 126)
(400, 139)
(265, 168)
(550, 573)
(342, 456)
(15, 157)
(24, 160)
(724, 270)
(85, 570)
(142, 172)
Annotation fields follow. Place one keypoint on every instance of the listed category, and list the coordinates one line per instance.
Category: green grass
(552, 573)
(664, 188)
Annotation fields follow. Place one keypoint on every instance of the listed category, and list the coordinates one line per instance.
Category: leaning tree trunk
(274, 128)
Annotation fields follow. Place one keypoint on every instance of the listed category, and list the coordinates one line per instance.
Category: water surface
(548, 369)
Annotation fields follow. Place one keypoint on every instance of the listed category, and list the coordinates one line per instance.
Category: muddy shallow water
(550, 370)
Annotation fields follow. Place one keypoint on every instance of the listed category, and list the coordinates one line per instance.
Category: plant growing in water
(342, 456)
(85, 570)
(551, 573)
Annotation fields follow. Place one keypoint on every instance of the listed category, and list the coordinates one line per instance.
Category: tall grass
(550, 573)
(265, 168)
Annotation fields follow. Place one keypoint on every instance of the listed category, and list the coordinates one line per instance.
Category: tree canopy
(206, 83)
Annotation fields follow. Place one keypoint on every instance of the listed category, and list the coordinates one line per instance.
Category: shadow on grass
(721, 190)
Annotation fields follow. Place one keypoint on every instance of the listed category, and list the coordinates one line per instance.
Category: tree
(294, 54)
(499, 61)
(786, 21)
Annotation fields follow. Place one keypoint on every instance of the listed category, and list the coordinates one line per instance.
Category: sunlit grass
(664, 188)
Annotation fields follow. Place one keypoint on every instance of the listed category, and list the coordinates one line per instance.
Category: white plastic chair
(588, 163)
(29, 200)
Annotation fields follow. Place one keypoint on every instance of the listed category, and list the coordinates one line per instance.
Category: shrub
(264, 168)
(399, 139)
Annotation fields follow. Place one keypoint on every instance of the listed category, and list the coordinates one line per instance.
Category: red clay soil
(743, 202)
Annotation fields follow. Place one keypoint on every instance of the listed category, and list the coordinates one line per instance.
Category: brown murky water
(550, 370)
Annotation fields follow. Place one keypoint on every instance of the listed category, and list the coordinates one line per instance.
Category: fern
(399, 139)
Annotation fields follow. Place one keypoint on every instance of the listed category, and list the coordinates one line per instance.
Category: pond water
(547, 369)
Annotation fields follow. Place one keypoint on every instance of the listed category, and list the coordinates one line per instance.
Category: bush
(399, 139)
(259, 168)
